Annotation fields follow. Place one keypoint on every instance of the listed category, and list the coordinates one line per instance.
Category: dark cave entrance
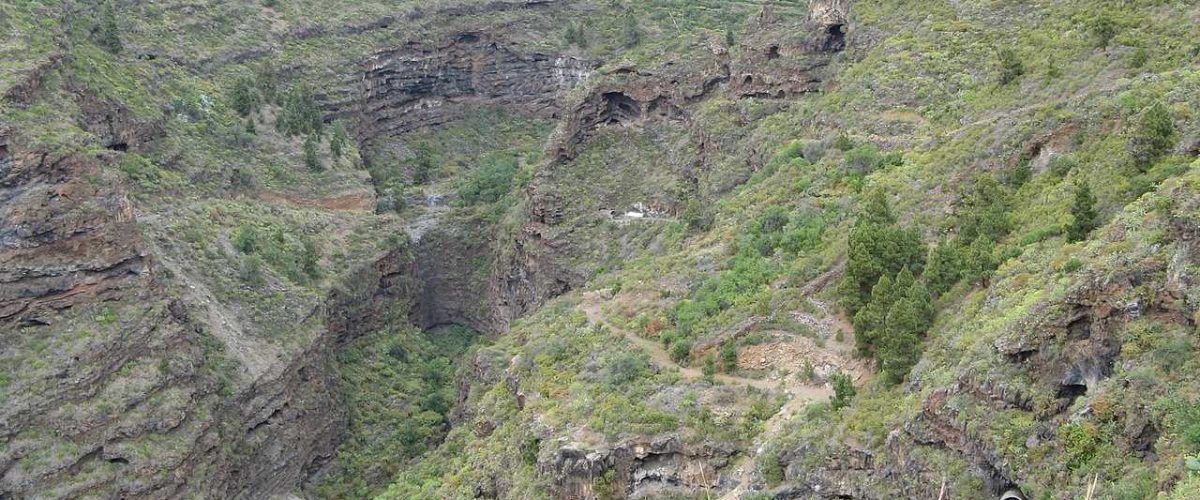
(835, 38)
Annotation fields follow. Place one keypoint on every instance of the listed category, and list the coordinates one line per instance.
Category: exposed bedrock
(1062, 351)
(638, 468)
(126, 388)
(426, 84)
(780, 57)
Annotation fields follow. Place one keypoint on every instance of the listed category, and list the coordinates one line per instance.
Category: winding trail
(799, 393)
(591, 306)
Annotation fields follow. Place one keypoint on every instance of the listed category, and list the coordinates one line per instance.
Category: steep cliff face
(126, 388)
(425, 84)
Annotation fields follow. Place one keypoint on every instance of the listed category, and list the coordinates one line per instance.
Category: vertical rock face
(64, 240)
(779, 57)
(423, 84)
(124, 390)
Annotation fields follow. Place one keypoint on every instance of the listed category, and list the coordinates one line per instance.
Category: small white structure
(634, 215)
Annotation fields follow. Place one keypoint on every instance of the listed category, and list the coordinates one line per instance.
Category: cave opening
(835, 38)
(620, 108)
(1071, 392)
(119, 146)
(773, 52)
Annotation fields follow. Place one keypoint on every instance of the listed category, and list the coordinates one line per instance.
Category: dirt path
(799, 392)
(591, 306)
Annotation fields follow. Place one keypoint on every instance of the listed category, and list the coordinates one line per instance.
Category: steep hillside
(610, 249)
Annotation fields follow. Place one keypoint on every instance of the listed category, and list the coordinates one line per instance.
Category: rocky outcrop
(374, 296)
(779, 57)
(123, 389)
(454, 267)
(424, 84)
(635, 469)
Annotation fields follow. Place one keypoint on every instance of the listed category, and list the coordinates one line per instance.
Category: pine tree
(983, 210)
(1154, 136)
(1083, 212)
(876, 209)
(918, 295)
(904, 280)
(870, 319)
(877, 247)
(978, 263)
(1010, 66)
(728, 357)
(944, 269)
(311, 158)
(245, 97)
(338, 139)
(631, 31)
(899, 345)
(109, 36)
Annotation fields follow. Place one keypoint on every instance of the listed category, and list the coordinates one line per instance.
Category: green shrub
(1062, 165)
(1072, 265)
(681, 349)
(1080, 442)
(862, 160)
(843, 391)
(490, 182)
(245, 238)
(772, 468)
(625, 368)
(106, 316)
(1011, 67)
(697, 216)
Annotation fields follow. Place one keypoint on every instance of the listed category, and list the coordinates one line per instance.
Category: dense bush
(245, 98)
(490, 182)
(843, 391)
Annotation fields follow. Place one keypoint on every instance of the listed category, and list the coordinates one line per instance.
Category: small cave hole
(1071, 392)
(119, 460)
(835, 38)
(1012, 493)
(467, 37)
(773, 52)
(749, 80)
(1021, 356)
(1079, 329)
(621, 108)
(119, 146)
(3, 152)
